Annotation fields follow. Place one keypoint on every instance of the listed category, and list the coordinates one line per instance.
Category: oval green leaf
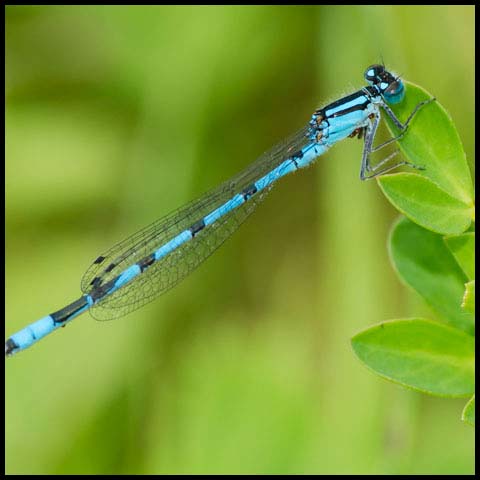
(468, 415)
(463, 249)
(423, 261)
(432, 141)
(425, 203)
(420, 354)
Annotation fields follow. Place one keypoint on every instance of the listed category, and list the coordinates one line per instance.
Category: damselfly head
(389, 86)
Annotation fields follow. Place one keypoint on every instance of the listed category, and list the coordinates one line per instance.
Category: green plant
(432, 249)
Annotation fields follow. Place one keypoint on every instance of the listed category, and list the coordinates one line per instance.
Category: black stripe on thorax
(341, 101)
(354, 108)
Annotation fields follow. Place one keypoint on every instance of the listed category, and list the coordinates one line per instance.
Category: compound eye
(372, 72)
(394, 88)
(395, 92)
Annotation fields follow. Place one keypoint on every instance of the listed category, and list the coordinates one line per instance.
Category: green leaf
(432, 141)
(423, 261)
(425, 203)
(468, 414)
(424, 355)
(463, 249)
(468, 302)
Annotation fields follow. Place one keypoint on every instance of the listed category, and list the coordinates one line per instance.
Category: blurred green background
(118, 115)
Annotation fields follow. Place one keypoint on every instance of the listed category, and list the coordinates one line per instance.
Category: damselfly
(153, 260)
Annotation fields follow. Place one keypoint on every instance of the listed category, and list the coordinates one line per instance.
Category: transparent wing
(168, 271)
